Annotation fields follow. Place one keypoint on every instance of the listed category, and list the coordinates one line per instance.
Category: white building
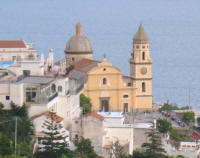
(104, 129)
(40, 120)
(11, 50)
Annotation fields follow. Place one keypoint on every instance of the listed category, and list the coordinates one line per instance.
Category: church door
(125, 109)
(104, 104)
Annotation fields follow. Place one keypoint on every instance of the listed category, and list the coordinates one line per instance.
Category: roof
(85, 65)
(78, 43)
(37, 79)
(94, 114)
(12, 44)
(76, 75)
(53, 116)
(111, 114)
(141, 34)
(195, 136)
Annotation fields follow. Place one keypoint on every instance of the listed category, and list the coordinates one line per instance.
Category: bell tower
(140, 69)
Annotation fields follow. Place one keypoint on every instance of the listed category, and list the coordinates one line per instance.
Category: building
(106, 86)
(78, 46)
(11, 50)
(40, 120)
(104, 129)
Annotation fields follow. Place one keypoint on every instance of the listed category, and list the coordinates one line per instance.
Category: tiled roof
(55, 117)
(94, 114)
(85, 65)
(195, 136)
(12, 44)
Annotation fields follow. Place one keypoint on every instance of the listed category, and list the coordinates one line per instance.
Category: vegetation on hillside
(24, 131)
(170, 107)
(85, 103)
(164, 126)
(188, 117)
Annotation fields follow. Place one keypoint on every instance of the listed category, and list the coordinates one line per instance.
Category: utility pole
(15, 136)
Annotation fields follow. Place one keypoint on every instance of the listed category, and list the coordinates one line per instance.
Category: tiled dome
(78, 43)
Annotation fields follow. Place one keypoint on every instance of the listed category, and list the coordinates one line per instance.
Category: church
(105, 85)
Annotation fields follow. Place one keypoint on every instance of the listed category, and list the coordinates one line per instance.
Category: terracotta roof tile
(55, 117)
(85, 65)
(94, 114)
(12, 44)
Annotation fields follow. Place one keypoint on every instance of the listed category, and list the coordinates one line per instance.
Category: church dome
(78, 44)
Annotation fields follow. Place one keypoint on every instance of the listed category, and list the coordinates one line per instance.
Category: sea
(173, 27)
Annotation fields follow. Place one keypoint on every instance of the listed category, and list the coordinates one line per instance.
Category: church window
(143, 55)
(59, 88)
(143, 87)
(125, 96)
(104, 81)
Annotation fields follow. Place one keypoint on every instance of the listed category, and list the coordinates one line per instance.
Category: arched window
(143, 55)
(143, 87)
(59, 88)
(125, 96)
(104, 81)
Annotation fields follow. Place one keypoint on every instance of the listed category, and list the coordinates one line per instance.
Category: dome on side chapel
(78, 43)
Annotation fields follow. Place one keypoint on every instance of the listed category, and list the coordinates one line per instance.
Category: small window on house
(26, 72)
(53, 88)
(143, 87)
(72, 59)
(104, 81)
(143, 46)
(76, 136)
(104, 69)
(7, 97)
(143, 55)
(59, 88)
(129, 84)
(137, 47)
(125, 96)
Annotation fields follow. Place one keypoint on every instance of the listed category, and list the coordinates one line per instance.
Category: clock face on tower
(143, 70)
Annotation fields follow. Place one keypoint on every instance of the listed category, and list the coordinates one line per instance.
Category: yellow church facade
(106, 86)
(107, 89)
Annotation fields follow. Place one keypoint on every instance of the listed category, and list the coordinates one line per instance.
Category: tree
(154, 146)
(53, 143)
(176, 137)
(198, 121)
(85, 149)
(85, 104)
(118, 150)
(188, 117)
(7, 131)
(164, 126)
